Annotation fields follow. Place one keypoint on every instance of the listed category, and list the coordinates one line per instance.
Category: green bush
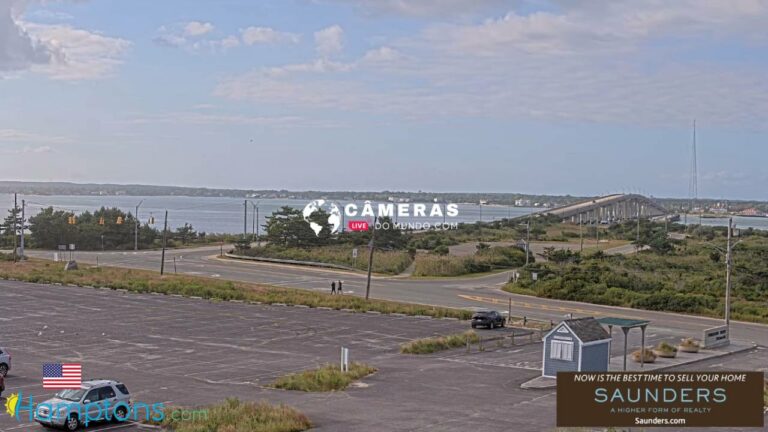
(484, 260)
(233, 415)
(438, 343)
(325, 378)
(685, 280)
(389, 262)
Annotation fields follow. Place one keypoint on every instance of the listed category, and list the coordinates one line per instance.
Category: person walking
(340, 287)
(333, 287)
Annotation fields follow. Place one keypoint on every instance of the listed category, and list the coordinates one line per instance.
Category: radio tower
(693, 185)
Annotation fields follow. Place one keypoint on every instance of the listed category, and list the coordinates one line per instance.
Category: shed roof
(587, 329)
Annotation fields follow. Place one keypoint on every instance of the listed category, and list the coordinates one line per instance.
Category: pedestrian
(333, 287)
(2, 384)
(340, 287)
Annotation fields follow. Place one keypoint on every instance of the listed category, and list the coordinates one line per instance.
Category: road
(471, 292)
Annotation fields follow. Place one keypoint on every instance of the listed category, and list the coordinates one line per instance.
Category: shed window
(561, 350)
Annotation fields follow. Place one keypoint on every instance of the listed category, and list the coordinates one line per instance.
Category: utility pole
(370, 258)
(728, 270)
(527, 240)
(581, 234)
(258, 237)
(245, 219)
(136, 227)
(162, 257)
(15, 225)
(253, 222)
(637, 242)
(23, 207)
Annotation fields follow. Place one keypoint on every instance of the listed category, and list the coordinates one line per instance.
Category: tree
(185, 233)
(287, 227)
(9, 226)
(103, 229)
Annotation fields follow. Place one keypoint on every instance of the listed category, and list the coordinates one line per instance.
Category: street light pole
(527, 240)
(370, 258)
(136, 227)
(162, 257)
(728, 269)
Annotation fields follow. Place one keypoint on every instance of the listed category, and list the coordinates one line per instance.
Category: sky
(533, 96)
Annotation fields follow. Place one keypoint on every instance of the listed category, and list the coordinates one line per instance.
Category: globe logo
(334, 215)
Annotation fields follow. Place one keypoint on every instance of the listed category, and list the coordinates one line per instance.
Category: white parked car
(5, 361)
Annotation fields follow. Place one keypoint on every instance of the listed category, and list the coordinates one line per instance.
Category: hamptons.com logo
(57, 413)
(381, 210)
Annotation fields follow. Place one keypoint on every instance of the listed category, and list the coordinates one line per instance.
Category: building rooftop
(587, 329)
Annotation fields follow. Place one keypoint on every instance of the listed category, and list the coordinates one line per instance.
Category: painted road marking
(505, 302)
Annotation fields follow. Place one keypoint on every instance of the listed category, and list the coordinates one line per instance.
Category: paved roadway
(471, 292)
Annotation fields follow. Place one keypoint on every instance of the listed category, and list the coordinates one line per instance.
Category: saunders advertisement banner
(679, 399)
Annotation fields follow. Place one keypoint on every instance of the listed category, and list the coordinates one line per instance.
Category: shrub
(325, 378)
(650, 356)
(233, 415)
(389, 262)
(665, 350)
(438, 343)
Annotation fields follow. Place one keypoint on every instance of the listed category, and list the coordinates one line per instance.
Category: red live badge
(358, 225)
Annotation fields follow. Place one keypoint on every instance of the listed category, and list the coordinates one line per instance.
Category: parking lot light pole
(136, 227)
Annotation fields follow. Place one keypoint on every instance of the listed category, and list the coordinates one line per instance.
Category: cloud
(60, 51)
(382, 54)
(83, 54)
(425, 8)
(27, 150)
(197, 28)
(638, 62)
(19, 50)
(329, 41)
(18, 136)
(267, 35)
(222, 119)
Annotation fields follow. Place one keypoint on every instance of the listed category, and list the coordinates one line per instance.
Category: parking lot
(191, 352)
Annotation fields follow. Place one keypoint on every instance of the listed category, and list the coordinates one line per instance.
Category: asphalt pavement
(469, 292)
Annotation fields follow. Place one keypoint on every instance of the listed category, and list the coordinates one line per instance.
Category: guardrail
(292, 262)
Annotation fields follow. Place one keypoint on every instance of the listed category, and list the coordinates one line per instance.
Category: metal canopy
(622, 322)
(626, 325)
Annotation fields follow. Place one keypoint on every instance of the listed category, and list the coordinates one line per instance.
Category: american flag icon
(57, 376)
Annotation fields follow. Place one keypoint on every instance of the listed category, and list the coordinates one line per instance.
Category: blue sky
(534, 96)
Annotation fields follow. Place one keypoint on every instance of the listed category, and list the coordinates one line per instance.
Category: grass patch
(438, 343)
(232, 415)
(386, 262)
(144, 281)
(483, 261)
(323, 379)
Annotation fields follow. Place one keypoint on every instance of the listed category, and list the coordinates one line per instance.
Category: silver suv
(95, 400)
(5, 361)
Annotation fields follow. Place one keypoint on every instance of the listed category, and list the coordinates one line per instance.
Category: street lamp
(255, 223)
(136, 227)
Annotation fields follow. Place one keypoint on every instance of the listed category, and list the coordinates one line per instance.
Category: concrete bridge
(611, 208)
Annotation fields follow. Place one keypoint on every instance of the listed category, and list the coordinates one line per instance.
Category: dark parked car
(490, 319)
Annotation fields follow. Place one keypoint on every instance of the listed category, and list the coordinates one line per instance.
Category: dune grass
(438, 343)
(232, 415)
(144, 281)
(326, 378)
(386, 262)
